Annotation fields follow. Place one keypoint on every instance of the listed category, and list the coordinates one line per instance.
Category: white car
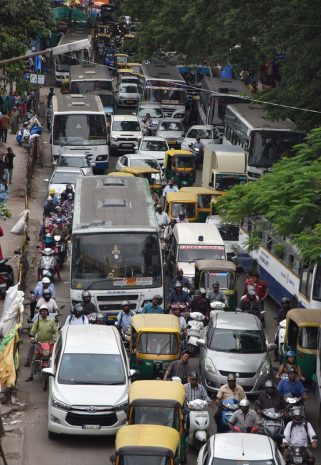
(75, 161)
(127, 95)
(155, 146)
(207, 134)
(171, 130)
(64, 175)
(137, 159)
(125, 133)
(89, 379)
(240, 448)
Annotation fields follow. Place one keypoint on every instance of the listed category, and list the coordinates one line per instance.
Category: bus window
(306, 280)
(317, 283)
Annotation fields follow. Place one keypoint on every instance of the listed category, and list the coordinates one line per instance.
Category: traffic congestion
(151, 323)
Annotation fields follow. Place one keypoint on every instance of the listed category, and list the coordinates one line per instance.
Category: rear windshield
(238, 341)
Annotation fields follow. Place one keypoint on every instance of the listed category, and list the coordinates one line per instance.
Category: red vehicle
(43, 354)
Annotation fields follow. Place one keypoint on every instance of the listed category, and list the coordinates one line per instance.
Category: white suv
(89, 382)
(125, 133)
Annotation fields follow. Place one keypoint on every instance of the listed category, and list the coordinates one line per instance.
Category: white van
(89, 382)
(194, 241)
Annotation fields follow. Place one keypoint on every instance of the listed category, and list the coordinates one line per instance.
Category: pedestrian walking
(5, 120)
(4, 193)
(9, 156)
(14, 120)
(1, 235)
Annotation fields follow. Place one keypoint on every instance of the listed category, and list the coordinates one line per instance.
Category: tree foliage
(289, 198)
(246, 34)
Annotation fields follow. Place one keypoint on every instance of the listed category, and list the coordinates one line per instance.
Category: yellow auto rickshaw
(185, 202)
(150, 444)
(207, 272)
(154, 344)
(153, 176)
(159, 403)
(180, 166)
(120, 174)
(205, 197)
(301, 336)
(121, 60)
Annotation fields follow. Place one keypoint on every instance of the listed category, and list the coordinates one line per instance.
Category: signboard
(33, 78)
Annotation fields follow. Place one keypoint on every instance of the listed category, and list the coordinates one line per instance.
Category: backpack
(72, 317)
(305, 427)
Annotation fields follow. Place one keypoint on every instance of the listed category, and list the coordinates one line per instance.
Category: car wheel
(44, 382)
(52, 435)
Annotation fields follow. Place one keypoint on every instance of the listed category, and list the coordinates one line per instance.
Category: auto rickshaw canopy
(177, 152)
(215, 265)
(137, 170)
(157, 393)
(156, 323)
(305, 316)
(181, 197)
(120, 174)
(147, 440)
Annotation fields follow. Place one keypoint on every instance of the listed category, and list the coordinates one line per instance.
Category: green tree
(289, 198)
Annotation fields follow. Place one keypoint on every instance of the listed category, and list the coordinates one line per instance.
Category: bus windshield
(116, 260)
(165, 92)
(226, 181)
(268, 147)
(63, 62)
(79, 129)
(83, 87)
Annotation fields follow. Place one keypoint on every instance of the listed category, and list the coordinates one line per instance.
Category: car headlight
(179, 115)
(265, 369)
(124, 406)
(101, 157)
(209, 366)
(59, 405)
(113, 139)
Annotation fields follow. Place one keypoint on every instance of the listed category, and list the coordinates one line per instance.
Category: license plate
(90, 426)
(111, 317)
(171, 142)
(127, 145)
(130, 101)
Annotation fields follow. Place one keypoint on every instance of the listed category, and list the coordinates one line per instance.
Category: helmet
(197, 292)
(202, 290)
(297, 415)
(45, 281)
(125, 303)
(177, 284)
(85, 294)
(285, 300)
(269, 384)
(100, 318)
(231, 377)
(290, 353)
(244, 403)
(46, 292)
(47, 274)
(47, 251)
(48, 239)
(193, 375)
(181, 214)
(78, 309)
(44, 307)
(158, 298)
(58, 221)
(49, 199)
(58, 208)
(52, 190)
(251, 292)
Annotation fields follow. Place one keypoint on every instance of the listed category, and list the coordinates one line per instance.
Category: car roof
(188, 233)
(140, 156)
(247, 447)
(124, 117)
(236, 320)
(200, 126)
(90, 339)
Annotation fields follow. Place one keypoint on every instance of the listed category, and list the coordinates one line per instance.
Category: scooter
(43, 352)
(298, 455)
(60, 250)
(272, 424)
(229, 406)
(199, 423)
(216, 305)
(280, 337)
(48, 263)
(292, 403)
(6, 277)
(195, 327)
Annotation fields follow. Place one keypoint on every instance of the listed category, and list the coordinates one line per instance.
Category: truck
(224, 166)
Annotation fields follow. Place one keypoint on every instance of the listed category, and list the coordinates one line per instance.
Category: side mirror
(54, 163)
(92, 163)
(201, 342)
(46, 180)
(271, 347)
(48, 372)
(112, 458)
(133, 374)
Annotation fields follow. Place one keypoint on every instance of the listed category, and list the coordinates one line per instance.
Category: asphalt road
(91, 450)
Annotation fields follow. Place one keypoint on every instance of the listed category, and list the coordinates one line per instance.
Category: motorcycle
(245, 429)
(60, 250)
(272, 424)
(298, 455)
(195, 327)
(43, 351)
(280, 337)
(217, 305)
(48, 264)
(229, 406)
(199, 423)
(198, 154)
(292, 403)
(6, 277)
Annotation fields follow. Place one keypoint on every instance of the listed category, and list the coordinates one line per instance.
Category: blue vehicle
(229, 406)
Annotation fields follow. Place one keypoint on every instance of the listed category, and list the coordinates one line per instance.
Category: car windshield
(242, 462)
(77, 162)
(149, 415)
(142, 162)
(154, 112)
(129, 80)
(191, 253)
(154, 146)
(226, 181)
(130, 89)
(238, 341)
(79, 129)
(140, 459)
(158, 343)
(171, 126)
(184, 161)
(64, 178)
(91, 369)
(202, 133)
(124, 126)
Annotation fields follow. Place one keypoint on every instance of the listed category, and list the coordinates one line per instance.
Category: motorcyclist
(289, 363)
(269, 398)
(100, 319)
(88, 305)
(250, 303)
(198, 144)
(299, 433)
(291, 385)
(230, 390)
(154, 306)
(161, 216)
(68, 204)
(77, 317)
(147, 122)
(45, 283)
(49, 207)
(198, 147)
(180, 368)
(69, 190)
(44, 329)
(54, 196)
(60, 228)
(59, 214)
(199, 303)
(178, 296)
(216, 295)
(124, 316)
(185, 282)
(194, 390)
(182, 217)
(244, 418)
(48, 301)
(285, 307)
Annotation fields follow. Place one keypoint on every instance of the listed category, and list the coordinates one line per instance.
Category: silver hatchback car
(235, 343)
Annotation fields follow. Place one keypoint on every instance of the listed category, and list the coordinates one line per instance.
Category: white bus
(79, 126)
(79, 53)
(164, 84)
(281, 266)
(264, 141)
(89, 77)
(116, 252)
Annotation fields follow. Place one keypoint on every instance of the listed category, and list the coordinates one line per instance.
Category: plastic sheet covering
(13, 309)
(20, 227)
(9, 358)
